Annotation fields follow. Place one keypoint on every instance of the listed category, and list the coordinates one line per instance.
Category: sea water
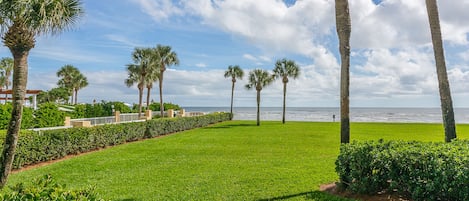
(316, 114)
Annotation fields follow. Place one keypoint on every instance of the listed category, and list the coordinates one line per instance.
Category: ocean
(317, 114)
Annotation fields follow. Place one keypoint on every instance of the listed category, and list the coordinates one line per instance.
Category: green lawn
(229, 161)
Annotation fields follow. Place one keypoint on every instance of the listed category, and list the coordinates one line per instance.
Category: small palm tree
(344, 27)
(138, 72)
(443, 83)
(67, 74)
(286, 69)
(258, 79)
(6, 65)
(166, 58)
(233, 72)
(79, 82)
(21, 22)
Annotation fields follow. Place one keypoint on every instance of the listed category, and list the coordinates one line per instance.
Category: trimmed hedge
(34, 147)
(419, 170)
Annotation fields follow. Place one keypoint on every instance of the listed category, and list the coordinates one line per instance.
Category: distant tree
(79, 82)
(443, 83)
(344, 27)
(258, 79)
(166, 57)
(21, 23)
(55, 95)
(138, 72)
(6, 67)
(233, 72)
(67, 75)
(286, 69)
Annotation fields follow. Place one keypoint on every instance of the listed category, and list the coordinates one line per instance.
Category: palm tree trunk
(232, 94)
(258, 107)
(20, 78)
(161, 94)
(343, 26)
(148, 97)
(76, 96)
(140, 97)
(284, 101)
(443, 83)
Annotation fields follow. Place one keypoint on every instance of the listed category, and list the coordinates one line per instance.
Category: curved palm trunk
(343, 26)
(140, 97)
(284, 101)
(443, 83)
(258, 107)
(76, 95)
(161, 94)
(20, 77)
(232, 94)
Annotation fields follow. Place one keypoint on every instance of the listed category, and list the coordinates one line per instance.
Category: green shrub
(5, 115)
(34, 147)
(45, 188)
(422, 171)
(48, 115)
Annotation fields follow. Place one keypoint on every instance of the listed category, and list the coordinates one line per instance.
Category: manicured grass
(229, 161)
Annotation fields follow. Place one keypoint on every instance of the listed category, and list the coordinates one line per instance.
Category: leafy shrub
(34, 147)
(422, 171)
(156, 106)
(45, 188)
(48, 115)
(5, 115)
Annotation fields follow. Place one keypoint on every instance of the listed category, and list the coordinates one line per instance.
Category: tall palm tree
(286, 69)
(138, 72)
(233, 72)
(166, 57)
(445, 92)
(344, 27)
(79, 82)
(258, 79)
(6, 65)
(21, 23)
(67, 75)
(153, 72)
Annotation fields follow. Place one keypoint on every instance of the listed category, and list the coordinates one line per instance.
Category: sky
(392, 63)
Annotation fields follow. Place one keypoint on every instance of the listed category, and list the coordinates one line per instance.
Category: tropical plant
(56, 95)
(138, 72)
(344, 27)
(258, 79)
(21, 23)
(6, 66)
(443, 83)
(286, 69)
(233, 72)
(67, 75)
(79, 82)
(152, 76)
(166, 57)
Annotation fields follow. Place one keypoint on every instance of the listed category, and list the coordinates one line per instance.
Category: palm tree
(68, 74)
(445, 92)
(79, 82)
(21, 22)
(344, 27)
(284, 69)
(258, 79)
(151, 78)
(166, 57)
(6, 65)
(233, 72)
(138, 72)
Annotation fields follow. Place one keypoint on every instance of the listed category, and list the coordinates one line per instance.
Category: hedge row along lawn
(233, 160)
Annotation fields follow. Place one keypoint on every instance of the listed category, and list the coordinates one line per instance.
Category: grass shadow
(311, 195)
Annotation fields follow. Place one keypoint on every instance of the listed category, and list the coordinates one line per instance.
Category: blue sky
(392, 60)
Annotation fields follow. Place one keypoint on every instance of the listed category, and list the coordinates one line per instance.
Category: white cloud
(201, 65)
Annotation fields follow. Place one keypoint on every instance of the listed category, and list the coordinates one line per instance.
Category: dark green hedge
(419, 170)
(34, 147)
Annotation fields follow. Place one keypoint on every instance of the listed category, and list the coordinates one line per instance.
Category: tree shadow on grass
(311, 195)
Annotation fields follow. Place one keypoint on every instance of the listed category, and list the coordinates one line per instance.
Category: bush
(422, 171)
(34, 147)
(48, 115)
(45, 188)
(5, 115)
